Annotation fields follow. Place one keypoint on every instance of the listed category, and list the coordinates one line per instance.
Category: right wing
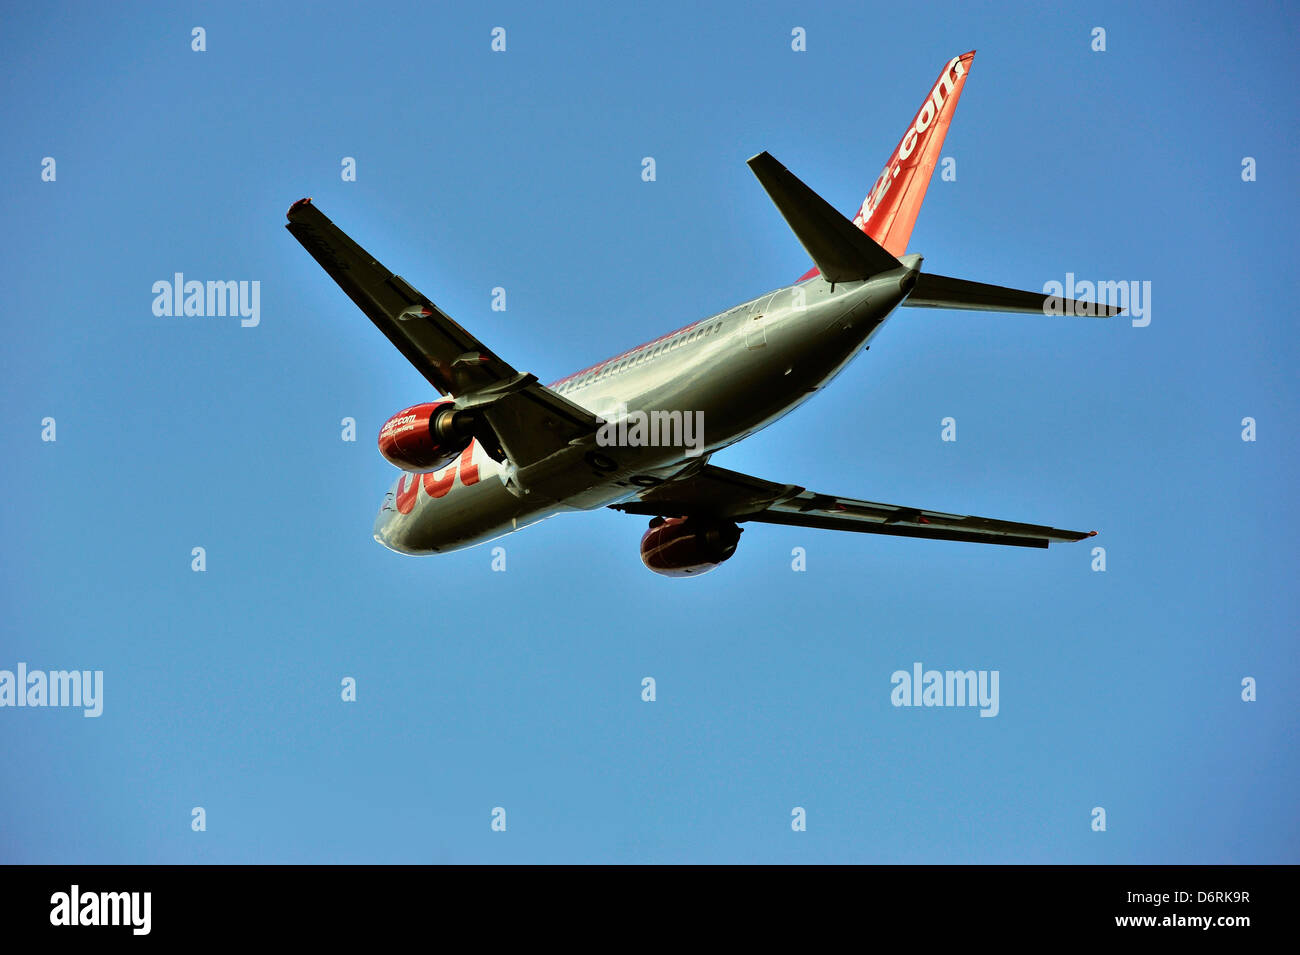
(719, 493)
(529, 420)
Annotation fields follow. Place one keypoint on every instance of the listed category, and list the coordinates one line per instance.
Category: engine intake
(688, 546)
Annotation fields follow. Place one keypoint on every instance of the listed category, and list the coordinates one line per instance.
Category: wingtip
(301, 202)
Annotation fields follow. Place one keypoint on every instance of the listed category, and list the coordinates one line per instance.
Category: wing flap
(533, 422)
(710, 492)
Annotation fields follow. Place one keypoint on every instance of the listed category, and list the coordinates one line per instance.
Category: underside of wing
(518, 418)
(530, 422)
(453, 360)
(718, 493)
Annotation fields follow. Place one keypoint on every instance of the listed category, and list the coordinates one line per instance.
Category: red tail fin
(889, 211)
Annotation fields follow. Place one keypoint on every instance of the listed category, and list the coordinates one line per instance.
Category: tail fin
(889, 211)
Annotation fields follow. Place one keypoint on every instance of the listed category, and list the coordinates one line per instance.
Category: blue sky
(521, 689)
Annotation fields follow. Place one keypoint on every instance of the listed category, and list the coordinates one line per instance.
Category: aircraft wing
(719, 493)
(530, 421)
(452, 359)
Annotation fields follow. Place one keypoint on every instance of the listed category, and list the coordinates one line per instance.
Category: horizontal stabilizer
(939, 291)
(841, 251)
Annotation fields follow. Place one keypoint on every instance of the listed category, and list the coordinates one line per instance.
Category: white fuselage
(735, 373)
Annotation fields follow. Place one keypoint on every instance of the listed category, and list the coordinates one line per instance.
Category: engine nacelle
(688, 546)
(425, 437)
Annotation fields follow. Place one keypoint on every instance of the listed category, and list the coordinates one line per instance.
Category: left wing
(529, 421)
(452, 359)
(717, 492)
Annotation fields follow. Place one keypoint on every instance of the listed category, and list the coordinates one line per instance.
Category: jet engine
(688, 546)
(426, 437)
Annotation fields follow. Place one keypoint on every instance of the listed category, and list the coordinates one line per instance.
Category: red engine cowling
(687, 546)
(419, 438)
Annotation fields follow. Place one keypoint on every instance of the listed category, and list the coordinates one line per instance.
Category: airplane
(499, 451)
